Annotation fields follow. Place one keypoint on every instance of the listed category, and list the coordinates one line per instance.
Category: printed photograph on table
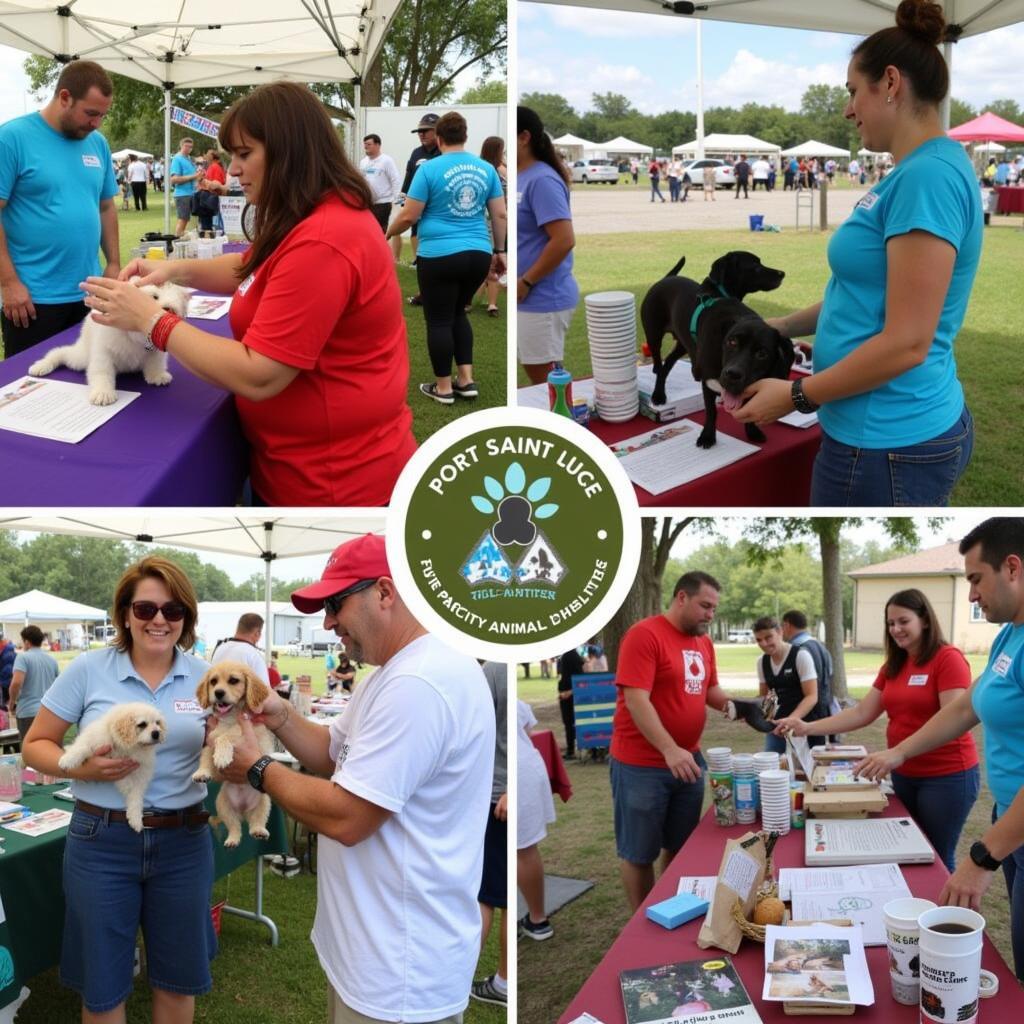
(680, 773)
(240, 721)
(290, 268)
(725, 245)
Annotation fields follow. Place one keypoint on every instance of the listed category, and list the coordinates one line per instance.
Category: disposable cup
(950, 964)
(901, 932)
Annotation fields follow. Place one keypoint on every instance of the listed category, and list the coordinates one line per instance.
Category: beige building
(938, 573)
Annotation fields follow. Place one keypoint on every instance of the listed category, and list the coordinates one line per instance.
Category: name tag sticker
(90, 160)
(1002, 665)
(187, 707)
(868, 201)
(917, 680)
(246, 284)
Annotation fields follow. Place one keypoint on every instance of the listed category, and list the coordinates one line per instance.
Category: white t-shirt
(761, 169)
(804, 665)
(137, 171)
(382, 176)
(397, 924)
(240, 650)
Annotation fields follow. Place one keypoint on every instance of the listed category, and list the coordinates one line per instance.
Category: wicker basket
(768, 888)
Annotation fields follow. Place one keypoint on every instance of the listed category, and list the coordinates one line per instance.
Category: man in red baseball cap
(403, 796)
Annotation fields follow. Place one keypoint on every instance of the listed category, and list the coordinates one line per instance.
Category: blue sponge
(678, 910)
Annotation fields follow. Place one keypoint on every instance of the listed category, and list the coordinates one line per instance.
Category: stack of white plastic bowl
(719, 760)
(744, 788)
(765, 760)
(774, 787)
(611, 330)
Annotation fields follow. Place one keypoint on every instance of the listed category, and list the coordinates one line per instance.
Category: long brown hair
(931, 632)
(303, 162)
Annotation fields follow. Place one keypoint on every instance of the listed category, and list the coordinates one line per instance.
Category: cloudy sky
(652, 60)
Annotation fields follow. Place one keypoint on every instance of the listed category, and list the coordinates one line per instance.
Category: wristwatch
(981, 856)
(800, 401)
(256, 772)
(527, 282)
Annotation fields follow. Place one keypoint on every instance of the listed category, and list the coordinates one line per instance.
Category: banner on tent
(195, 122)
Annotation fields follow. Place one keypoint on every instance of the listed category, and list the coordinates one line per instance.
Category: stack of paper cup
(745, 788)
(719, 760)
(611, 329)
(774, 785)
(766, 760)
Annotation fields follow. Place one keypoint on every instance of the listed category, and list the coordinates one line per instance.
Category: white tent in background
(122, 153)
(813, 148)
(190, 44)
(621, 146)
(50, 613)
(988, 148)
(573, 146)
(719, 144)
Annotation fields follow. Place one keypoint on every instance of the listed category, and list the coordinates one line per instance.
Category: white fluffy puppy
(130, 730)
(230, 688)
(104, 352)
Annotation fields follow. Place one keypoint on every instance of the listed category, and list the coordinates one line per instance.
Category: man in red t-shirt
(666, 675)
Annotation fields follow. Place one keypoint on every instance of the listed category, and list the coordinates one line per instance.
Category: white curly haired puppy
(130, 730)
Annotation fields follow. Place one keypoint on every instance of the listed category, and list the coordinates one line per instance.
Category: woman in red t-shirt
(921, 674)
(320, 367)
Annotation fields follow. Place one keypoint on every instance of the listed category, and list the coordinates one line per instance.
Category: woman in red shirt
(320, 366)
(921, 674)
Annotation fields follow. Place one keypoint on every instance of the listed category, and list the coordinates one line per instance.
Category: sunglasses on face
(172, 611)
(424, 131)
(332, 604)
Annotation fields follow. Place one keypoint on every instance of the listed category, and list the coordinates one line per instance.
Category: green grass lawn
(992, 375)
(581, 844)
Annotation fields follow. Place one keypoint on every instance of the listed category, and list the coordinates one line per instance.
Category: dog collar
(703, 302)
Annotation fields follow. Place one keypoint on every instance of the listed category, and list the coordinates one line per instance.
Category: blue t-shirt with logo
(934, 190)
(455, 188)
(97, 680)
(53, 187)
(998, 700)
(543, 197)
(181, 164)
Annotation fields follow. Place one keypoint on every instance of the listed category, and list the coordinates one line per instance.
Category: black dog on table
(729, 345)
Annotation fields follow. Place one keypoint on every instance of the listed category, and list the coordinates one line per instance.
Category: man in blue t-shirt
(57, 208)
(183, 177)
(34, 673)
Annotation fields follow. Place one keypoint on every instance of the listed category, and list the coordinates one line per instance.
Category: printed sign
(195, 122)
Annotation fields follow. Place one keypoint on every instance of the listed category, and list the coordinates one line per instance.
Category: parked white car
(741, 636)
(587, 171)
(693, 172)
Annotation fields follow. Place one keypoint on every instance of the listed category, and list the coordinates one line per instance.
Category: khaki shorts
(339, 1012)
(541, 336)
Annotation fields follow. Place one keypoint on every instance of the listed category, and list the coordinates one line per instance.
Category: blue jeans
(778, 743)
(655, 191)
(1013, 870)
(940, 805)
(918, 475)
(654, 810)
(673, 189)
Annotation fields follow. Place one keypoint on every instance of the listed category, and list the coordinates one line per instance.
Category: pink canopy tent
(988, 127)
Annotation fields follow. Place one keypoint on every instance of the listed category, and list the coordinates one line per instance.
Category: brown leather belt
(194, 815)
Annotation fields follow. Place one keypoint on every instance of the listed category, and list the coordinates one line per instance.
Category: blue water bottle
(560, 391)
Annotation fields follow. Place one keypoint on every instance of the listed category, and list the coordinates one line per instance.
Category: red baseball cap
(363, 558)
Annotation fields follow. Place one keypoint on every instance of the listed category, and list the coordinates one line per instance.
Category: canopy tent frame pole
(700, 91)
(167, 158)
(268, 560)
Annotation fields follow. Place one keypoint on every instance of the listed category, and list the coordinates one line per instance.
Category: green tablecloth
(32, 893)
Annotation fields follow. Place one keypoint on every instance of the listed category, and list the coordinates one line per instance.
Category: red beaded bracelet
(161, 330)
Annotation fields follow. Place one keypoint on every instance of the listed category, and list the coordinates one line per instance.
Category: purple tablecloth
(178, 445)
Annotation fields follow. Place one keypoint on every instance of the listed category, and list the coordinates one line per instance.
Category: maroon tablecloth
(1011, 199)
(547, 746)
(645, 944)
(177, 445)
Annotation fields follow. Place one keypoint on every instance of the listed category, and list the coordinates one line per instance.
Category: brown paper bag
(742, 870)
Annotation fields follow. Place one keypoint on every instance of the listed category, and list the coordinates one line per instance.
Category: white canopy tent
(185, 44)
(573, 146)
(267, 538)
(719, 143)
(988, 148)
(621, 146)
(37, 608)
(122, 153)
(814, 148)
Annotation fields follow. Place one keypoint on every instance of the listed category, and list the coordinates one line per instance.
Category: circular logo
(512, 534)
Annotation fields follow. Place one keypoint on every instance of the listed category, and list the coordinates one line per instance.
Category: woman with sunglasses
(319, 363)
(116, 879)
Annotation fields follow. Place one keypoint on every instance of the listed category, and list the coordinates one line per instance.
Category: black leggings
(447, 285)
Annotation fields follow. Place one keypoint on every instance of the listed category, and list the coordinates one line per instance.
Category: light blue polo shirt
(933, 189)
(53, 187)
(456, 188)
(40, 671)
(181, 164)
(998, 700)
(94, 682)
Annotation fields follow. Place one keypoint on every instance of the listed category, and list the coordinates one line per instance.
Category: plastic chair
(593, 696)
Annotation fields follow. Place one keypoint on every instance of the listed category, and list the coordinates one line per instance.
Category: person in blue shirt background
(57, 208)
(994, 566)
(184, 175)
(457, 250)
(116, 879)
(895, 426)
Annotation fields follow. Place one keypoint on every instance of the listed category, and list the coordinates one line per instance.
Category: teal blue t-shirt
(998, 700)
(53, 187)
(934, 190)
(456, 188)
(181, 164)
(40, 671)
(97, 680)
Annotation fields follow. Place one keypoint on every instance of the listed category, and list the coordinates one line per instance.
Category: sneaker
(538, 930)
(485, 992)
(415, 300)
(492, 311)
(467, 390)
(430, 390)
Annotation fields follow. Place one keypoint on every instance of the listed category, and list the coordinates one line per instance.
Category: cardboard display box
(856, 803)
(838, 752)
(839, 778)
